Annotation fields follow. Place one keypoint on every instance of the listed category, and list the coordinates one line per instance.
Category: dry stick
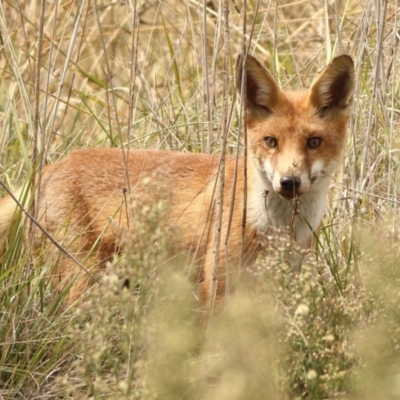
(206, 81)
(242, 117)
(133, 73)
(76, 68)
(294, 204)
(46, 233)
(244, 90)
(365, 164)
(133, 70)
(391, 166)
(46, 91)
(215, 58)
(356, 121)
(109, 80)
(36, 117)
(18, 8)
(275, 44)
(295, 211)
(36, 126)
(208, 100)
(108, 71)
(327, 31)
(221, 167)
(37, 90)
(338, 27)
(66, 65)
(231, 209)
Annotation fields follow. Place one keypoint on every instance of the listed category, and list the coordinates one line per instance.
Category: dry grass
(158, 74)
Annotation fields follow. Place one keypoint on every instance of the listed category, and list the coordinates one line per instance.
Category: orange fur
(295, 143)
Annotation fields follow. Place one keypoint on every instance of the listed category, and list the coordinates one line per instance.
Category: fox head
(296, 138)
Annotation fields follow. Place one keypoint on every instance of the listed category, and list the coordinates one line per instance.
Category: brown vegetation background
(158, 74)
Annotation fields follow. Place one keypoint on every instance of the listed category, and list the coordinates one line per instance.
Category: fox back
(295, 144)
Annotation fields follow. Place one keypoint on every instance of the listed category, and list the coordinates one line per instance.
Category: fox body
(295, 143)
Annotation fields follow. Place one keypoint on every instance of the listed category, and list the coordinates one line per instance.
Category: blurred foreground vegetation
(155, 74)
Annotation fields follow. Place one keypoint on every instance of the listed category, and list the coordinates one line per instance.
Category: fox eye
(314, 142)
(271, 142)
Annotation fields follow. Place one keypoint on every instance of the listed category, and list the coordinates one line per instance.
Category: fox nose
(290, 184)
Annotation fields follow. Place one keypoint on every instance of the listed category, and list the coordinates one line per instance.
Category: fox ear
(261, 91)
(333, 88)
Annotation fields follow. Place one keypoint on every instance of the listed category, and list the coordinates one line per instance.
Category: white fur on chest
(267, 210)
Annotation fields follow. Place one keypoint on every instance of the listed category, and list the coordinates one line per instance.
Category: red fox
(295, 144)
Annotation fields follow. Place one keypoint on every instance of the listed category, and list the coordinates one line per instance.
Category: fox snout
(291, 180)
(289, 186)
